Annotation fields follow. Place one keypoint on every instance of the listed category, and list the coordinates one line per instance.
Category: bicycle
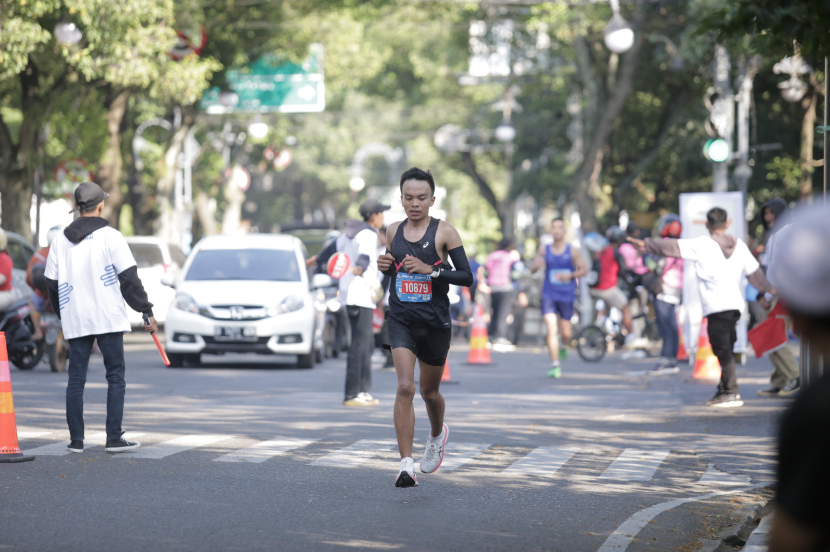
(592, 341)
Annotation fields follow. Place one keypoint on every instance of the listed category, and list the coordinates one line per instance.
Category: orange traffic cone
(479, 353)
(446, 377)
(706, 363)
(682, 353)
(9, 447)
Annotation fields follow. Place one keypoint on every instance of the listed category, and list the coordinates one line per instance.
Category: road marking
(264, 450)
(619, 540)
(355, 454)
(59, 449)
(32, 434)
(635, 465)
(541, 461)
(458, 454)
(174, 446)
(714, 476)
(759, 539)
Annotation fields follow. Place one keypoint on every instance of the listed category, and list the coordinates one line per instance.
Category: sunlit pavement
(246, 453)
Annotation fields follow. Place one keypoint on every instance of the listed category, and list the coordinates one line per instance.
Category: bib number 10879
(414, 288)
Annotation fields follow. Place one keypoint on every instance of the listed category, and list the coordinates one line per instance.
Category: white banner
(693, 209)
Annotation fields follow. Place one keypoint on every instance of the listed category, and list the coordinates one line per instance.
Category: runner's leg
(553, 337)
(565, 331)
(430, 381)
(404, 411)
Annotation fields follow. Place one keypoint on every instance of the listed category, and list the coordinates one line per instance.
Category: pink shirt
(633, 258)
(673, 272)
(498, 267)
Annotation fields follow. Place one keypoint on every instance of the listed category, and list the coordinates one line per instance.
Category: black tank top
(414, 298)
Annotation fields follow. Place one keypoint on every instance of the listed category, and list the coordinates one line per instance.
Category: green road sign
(272, 84)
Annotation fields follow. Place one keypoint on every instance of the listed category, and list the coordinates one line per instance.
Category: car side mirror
(320, 281)
(168, 280)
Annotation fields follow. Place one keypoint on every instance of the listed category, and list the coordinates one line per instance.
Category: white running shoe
(434, 453)
(368, 399)
(406, 477)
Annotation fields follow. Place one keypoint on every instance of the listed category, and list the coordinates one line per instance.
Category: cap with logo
(372, 206)
(88, 194)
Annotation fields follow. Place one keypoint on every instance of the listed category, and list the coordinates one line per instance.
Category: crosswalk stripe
(174, 446)
(635, 465)
(714, 476)
(59, 449)
(21, 434)
(458, 454)
(264, 450)
(355, 454)
(541, 461)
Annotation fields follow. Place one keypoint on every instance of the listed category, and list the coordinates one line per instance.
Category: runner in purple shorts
(563, 264)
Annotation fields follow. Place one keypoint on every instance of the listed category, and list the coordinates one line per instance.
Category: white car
(155, 259)
(243, 294)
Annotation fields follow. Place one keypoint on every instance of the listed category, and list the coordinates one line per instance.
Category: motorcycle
(57, 347)
(16, 323)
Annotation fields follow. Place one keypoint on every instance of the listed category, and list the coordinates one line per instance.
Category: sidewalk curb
(736, 537)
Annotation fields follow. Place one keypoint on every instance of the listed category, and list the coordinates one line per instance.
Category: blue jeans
(112, 348)
(667, 327)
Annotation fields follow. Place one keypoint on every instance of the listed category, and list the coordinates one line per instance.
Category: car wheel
(305, 361)
(176, 360)
(319, 354)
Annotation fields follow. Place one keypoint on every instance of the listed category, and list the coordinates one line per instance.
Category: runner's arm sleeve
(52, 292)
(133, 291)
(462, 275)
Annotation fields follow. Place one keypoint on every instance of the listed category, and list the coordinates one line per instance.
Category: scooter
(16, 323)
(57, 347)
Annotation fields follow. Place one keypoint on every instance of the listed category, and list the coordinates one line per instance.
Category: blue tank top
(555, 264)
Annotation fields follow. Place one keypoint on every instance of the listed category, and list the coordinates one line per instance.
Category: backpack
(653, 279)
(39, 277)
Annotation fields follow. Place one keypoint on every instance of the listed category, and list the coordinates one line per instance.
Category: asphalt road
(246, 453)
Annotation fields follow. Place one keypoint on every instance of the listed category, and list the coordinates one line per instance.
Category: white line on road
(173, 446)
(59, 449)
(541, 461)
(355, 454)
(635, 465)
(619, 540)
(714, 476)
(264, 450)
(458, 454)
(21, 434)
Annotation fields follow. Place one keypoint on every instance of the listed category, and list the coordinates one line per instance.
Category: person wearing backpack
(665, 283)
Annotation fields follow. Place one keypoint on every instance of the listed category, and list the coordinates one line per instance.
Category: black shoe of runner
(725, 400)
(121, 445)
(75, 446)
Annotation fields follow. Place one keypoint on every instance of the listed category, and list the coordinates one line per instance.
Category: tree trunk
(468, 164)
(16, 199)
(807, 136)
(111, 163)
(206, 212)
(166, 225)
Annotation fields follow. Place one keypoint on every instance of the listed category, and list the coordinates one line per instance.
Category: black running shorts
(430, 345)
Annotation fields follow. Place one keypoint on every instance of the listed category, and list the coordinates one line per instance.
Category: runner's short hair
(557, 219)
(418, 174)
(716, 218)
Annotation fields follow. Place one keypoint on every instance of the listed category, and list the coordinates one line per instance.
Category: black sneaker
(121, 445)
(725, 400)
(771, 392)
(793, 386)
(75, 446)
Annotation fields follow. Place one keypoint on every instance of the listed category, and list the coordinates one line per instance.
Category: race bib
(414, 288)
(554, 280)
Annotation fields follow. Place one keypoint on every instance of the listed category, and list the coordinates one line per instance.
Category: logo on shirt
(426, 244)
(110, 277)
(63, 294)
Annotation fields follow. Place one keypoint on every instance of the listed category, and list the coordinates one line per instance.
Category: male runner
(563, 265)
(419, 314)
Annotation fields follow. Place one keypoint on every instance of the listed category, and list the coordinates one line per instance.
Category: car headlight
(186, 303)
(289, 304)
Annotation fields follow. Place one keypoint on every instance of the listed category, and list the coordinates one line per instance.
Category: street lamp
(258, 128)
(356, 184)
(792, 89)
(619, 35)
(505, 132)
(68, 33)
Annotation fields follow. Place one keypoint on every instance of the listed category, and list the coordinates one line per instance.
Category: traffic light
(716, 150)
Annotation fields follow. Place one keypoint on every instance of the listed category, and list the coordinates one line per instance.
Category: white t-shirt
(353, 290)
(718, 278)
(87, 274)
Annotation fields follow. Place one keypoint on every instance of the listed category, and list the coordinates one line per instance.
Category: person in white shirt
(720, 262)
(89, 273)
(359, 241)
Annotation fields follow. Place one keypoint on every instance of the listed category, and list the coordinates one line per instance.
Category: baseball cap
(372, 206)
(800, 267)
(88, 194)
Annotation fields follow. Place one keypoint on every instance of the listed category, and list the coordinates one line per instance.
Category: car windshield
(147, 254)
(244, 264)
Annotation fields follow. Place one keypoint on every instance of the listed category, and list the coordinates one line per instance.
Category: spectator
(611, 265)
(499, 266)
